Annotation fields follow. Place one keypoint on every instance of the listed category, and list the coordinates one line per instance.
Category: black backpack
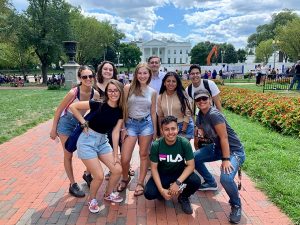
(206, 86)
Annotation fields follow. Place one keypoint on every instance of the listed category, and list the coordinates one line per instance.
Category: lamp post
(274, 45)
(118, 57)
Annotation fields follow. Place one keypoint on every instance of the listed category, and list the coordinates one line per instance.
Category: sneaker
(88, 179)
(107, 176)
(93, 206)
(235, 215)
(114, 197)
(185, 204)
(75, 191)
(208, 187)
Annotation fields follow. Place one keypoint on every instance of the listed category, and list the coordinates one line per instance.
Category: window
(187, 51)
(180, 51)
(169, 52)
(174, 60)
(174, 51)
(169, 60)
(180, 60)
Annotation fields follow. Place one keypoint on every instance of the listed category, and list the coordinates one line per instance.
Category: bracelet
(225, 159)
(123, 129)
(85, 125)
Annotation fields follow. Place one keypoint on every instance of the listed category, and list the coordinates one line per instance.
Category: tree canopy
(130, 55)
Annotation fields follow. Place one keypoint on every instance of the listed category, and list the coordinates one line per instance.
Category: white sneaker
(93, 206)
(114, 197)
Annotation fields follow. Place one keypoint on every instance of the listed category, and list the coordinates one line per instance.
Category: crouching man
(172, 167)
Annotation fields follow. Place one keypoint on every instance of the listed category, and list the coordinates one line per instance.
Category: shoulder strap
(206, 85)
(78, 94)
(190, 90)
(75, 95)
(92, 93)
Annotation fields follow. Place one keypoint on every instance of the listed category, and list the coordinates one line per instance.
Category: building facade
(169, 51)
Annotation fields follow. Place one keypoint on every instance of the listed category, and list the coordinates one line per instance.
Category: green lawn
(272, 161)
(22, 109)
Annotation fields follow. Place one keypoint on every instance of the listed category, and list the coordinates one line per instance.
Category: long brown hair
(121, 102)
(135, 86)
(99, 71)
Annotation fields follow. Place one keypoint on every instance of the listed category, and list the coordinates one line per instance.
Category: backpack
(206, 86)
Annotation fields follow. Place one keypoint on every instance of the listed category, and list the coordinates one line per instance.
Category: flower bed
(275, 111)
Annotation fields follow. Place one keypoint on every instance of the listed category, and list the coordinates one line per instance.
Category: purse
(71, 143)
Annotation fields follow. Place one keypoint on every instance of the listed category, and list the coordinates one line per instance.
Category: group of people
(156, 112)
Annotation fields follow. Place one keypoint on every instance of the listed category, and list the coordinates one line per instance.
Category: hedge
(279, 112)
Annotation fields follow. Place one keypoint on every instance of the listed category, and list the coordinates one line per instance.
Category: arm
(189, 169)
(124, 133)
(217, 101)
(115, 139)
(222, 133)
(156, 178)
(64, 103)
(153, 114)
(76, 107)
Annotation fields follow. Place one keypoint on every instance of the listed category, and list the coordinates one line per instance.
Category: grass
(22, 109)
(272, 161)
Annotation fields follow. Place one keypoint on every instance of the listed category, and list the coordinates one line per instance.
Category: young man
(199, 84)
(157, 76)
(172, 164)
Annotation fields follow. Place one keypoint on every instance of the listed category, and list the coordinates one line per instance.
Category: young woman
(226, 146)
(140, 124)
(106, 71)
(64, 122)
(92, 144)
(173, 101)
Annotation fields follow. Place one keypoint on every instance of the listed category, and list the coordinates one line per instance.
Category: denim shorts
(66, 124)
(92, 145)
(189, 130)
(139, 127)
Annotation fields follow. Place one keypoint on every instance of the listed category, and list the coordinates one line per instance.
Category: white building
(169, 51)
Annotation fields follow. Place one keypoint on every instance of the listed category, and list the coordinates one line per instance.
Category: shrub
(53, 87)
(275, 111)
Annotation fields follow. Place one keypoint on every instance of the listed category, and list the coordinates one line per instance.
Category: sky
(219, 21)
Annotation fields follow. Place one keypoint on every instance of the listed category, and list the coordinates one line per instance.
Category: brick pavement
(34, 190)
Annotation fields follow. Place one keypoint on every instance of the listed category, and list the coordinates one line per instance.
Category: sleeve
(188, 149)
(213, 88)
(159, 106)
(154, 152)
(216, 118)
(94, 105)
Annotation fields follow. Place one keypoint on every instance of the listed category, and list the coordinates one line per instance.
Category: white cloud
(171, 25)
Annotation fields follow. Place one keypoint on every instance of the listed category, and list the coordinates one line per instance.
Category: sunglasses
(84, 77)
(202, 98)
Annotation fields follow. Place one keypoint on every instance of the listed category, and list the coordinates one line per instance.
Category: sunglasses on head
(202, 98)
(84, 77)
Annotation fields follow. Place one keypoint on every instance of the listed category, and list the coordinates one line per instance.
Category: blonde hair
(121, 102)
(135, 86)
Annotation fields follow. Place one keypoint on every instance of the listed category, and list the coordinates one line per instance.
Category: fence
(278, 82)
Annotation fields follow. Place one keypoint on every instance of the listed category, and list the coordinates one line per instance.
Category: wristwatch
(178, 182)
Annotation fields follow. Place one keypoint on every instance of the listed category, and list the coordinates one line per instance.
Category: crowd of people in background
(152, 109)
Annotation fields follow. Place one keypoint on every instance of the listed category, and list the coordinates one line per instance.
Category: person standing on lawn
(212, 125)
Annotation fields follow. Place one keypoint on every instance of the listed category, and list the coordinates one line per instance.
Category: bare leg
(126, 154)
(144, 143)
(94, 166)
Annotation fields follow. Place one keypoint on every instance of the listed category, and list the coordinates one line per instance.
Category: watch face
(178, 182)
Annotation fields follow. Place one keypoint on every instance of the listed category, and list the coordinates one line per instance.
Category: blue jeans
(210, 153)
(295, 79)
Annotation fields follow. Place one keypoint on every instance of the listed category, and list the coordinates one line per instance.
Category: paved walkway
(34, 190)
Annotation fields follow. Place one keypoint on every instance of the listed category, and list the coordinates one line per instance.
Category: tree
(264, 51)
(200, 52)
(288, 37)
(45, 24)
(241, 55)
(267, 31)
(230, 55)
(130, 55)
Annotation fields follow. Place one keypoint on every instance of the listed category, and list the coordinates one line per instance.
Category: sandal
(139, 192)
(123, 184)
(131, 172)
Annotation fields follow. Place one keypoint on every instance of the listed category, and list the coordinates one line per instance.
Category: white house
(170, 52)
